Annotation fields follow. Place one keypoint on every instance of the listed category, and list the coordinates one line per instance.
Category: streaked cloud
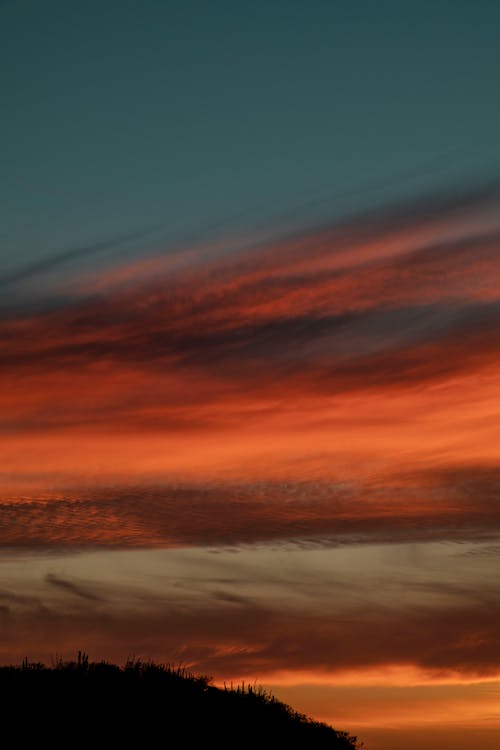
(450, 504)
(71, 587)
(335, 383)
(233, 614)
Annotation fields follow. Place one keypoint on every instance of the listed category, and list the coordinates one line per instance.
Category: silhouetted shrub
(144, 704)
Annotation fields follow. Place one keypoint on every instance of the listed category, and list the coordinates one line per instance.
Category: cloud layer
(428, 609)
(356, 363)
(451, 504)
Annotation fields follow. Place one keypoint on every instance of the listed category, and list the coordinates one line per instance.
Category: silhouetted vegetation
(149, 705)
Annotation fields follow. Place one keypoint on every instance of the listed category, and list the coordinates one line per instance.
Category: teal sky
(196, 117)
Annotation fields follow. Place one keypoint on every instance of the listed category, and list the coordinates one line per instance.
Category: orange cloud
(339, 354)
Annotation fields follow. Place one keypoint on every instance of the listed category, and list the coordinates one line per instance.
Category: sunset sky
(250, 350)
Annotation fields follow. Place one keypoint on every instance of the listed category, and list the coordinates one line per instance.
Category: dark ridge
(149, 705)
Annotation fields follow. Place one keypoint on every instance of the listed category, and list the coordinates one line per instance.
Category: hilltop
(151, 705)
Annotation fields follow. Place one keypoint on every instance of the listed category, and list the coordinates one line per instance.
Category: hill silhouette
(147, 705)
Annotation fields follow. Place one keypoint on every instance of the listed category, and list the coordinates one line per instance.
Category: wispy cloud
(437, 617)
(335, 354)
(53, 261)
(72, 587)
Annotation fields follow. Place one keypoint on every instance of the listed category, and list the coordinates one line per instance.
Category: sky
(249, 331)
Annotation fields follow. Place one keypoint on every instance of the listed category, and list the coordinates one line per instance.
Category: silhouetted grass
(145, 704)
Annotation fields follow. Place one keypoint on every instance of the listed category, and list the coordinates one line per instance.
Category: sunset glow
(250, 352)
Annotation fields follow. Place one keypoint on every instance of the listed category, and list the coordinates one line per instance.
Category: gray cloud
(72, 588)
(50, 262)
(226, 641)
(228, 596)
